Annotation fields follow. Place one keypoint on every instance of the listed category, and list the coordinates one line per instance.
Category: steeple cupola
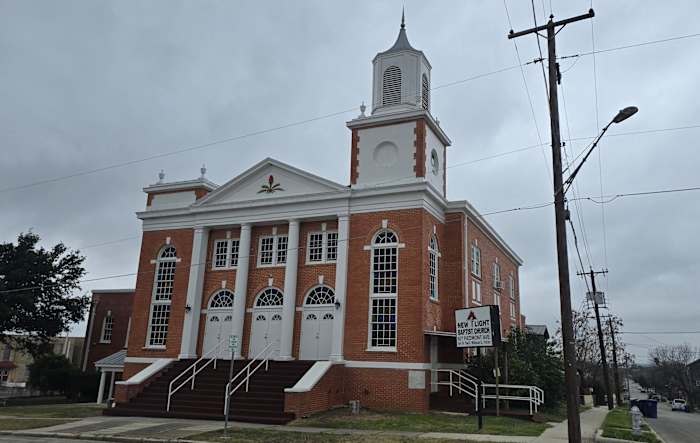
(401, 77)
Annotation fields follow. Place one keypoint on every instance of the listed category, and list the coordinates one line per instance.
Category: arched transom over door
(219, 324)
(317, 324)
(266, 322)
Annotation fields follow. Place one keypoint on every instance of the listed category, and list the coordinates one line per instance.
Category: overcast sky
(86, 84)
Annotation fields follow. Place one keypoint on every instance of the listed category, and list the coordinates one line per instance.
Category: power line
(228, 139)
(634, 45)
(527, 92)
(659, 332)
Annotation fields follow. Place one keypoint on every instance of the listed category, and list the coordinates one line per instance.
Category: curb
(97, 437)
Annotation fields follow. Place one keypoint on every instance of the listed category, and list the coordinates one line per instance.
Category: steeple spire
(403, 18)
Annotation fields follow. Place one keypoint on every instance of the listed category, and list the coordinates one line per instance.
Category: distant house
(694, 368)
(107, 335)
(14, 363)
(539, 330)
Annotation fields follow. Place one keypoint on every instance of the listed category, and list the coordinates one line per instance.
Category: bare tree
(671, 363)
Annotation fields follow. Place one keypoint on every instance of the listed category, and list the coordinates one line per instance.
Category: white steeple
(401, 77)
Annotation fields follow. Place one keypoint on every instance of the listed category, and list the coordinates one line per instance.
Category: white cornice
(112, 291)
(178, 186)
(400, 117)
(472, 214)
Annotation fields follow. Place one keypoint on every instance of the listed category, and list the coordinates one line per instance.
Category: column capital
(246, 226)
(344, 217)
(293, 221)
(200, 229)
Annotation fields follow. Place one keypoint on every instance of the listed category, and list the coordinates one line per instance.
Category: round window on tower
(434, 162)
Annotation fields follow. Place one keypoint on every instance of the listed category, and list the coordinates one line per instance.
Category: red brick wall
(328, 392)
(151, 244)
(489, 253)
(120, 304)
(385, 389)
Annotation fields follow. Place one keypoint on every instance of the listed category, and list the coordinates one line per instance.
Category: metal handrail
(535, 396)
(195, 371)
(249, 373)
(463, 383)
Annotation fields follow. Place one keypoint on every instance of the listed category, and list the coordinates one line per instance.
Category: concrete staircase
(263, 403)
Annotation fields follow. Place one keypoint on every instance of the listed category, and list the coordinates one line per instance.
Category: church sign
(478, 327)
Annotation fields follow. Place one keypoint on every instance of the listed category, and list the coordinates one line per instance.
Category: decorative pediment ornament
(270, 187)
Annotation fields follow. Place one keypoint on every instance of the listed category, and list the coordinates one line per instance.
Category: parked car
(654, 397)
(678, 404)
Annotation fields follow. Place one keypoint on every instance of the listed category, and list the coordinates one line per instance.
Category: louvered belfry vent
(391, 86)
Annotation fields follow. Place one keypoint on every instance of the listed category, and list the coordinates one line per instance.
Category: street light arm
(570, 180)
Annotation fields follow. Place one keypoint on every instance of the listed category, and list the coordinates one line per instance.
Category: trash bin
(648, 408)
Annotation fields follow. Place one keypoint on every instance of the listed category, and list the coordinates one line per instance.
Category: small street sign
(233, 342)
(478, 327)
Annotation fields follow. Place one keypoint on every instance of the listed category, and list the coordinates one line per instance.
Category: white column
(190, 326)
(341, 281)
(241, 287)
(101, 389)
(290, 291)
(111, 387)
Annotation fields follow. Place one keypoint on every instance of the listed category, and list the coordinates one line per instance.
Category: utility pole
(601, 342)
(616, 372)
(567, 327)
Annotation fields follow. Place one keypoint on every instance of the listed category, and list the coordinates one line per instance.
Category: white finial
(203, 170)
(362, 110)
(161, 176)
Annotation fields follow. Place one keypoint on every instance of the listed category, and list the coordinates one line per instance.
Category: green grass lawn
(618, 424)
(267, 436)
(13, 424)
(70, 410)
(430, 422)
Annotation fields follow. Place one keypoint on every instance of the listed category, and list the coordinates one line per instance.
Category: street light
(621, 116)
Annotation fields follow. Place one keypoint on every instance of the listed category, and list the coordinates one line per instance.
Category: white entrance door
(219, 327)
(316, 334)
(266, 328)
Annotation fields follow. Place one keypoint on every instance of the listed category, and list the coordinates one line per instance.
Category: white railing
(465, 383)
(462, 381)
(194, 370)
(533, 395)
(247, 372)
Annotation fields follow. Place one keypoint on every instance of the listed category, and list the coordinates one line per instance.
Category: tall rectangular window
(331, 246)
(476, 261)
(497, 275)
(107, 327)
(162, 297)
(511, 287)
(476, 291)
(512, 310)
(384, 288)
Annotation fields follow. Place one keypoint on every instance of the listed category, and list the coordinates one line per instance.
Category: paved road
(672, 426)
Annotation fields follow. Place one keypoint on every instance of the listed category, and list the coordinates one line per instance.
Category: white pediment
(270, 179)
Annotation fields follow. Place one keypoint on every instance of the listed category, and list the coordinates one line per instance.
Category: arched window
(433, 254)
(269, 297)
(222, 299)
(384, 269)
(320, 295)
(391, 86)
(162, 297)
(425, 95)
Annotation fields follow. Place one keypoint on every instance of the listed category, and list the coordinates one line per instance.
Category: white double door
(266, 328)
(219, 327)
(316, 334)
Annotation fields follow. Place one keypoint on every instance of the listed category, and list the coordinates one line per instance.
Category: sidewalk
(159, 429)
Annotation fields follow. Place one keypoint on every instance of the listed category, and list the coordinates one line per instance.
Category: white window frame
(511, 286)
(433, 268)
(230, 242)
(476, 261)
(383, 295)
(107, 328)
(476, 292)
(155, 302)
(4, 375)
(497, 276)
(512, 310)
(275, 251)
(324, 247)
(497, 300)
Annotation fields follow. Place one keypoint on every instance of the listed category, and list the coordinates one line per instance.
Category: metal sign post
(478, 328)
(233, 342)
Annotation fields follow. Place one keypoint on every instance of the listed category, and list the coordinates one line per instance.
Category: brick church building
(353, 287)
